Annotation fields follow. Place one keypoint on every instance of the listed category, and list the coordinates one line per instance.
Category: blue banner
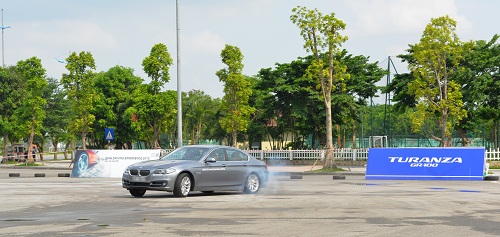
(425, 163)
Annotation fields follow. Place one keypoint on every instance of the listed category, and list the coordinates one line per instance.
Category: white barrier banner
(108, 163)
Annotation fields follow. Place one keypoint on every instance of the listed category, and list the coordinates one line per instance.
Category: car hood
(160, 164)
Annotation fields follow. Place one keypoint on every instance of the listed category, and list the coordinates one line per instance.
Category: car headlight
(127, 171)
(164, 171)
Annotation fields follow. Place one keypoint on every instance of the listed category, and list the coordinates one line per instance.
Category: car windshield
(187, 153)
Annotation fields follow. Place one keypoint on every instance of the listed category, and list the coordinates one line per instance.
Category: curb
(34, 167)
(40, 175)
(281, 173)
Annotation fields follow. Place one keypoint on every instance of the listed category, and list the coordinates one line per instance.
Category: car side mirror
(210, 160)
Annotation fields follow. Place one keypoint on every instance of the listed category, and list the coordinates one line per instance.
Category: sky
(122, 32)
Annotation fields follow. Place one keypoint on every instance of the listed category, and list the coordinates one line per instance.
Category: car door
(236, 167)
(214, 173)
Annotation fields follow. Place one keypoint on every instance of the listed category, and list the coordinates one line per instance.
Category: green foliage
(58, 111)
(114, 88)
(11, 91)
(287, 101)
(198, 110)
(154, 110)
(156, 66)
(237, 91)
(79, 84)
(153, 113)
(321, 34)
(30, 113)
(438, 95)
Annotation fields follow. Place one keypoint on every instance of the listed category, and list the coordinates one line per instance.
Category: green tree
(31, 113)
(480, 80)
(199, 108)
(58, 112)
(321, 34)
(346, 102)
(11, 86)
(152, 113)
(79, 84)
(237, 91)
(115, 88)
(282, 100)
(440, 99)
(156, 65)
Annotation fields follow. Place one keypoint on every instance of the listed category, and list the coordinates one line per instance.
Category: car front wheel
(182, 185)
(137, 192)
(252, 184)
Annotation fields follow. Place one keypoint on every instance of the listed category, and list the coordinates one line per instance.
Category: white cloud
(207, 41)
(77, 33)
(402, 16)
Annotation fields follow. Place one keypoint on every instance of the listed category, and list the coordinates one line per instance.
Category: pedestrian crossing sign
(109, 134)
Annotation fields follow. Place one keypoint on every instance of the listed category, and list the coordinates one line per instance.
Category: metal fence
(347, 154)
(493, 154)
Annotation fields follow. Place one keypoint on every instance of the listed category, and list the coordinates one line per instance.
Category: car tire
(295, 176)
(338, 177)
(252, 184)
(182, 185)
(491, 178)
(137, 192)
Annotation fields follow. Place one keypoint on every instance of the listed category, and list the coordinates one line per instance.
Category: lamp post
(3, 28)
(179, 91)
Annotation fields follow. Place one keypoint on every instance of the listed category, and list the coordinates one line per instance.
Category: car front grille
(139, 184)
(140, 172)
(145, 184)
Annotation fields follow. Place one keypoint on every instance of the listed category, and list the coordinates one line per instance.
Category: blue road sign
(109, 134)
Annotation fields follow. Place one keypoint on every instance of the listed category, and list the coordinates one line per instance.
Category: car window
(194, 154)
(186, 153)
(234, 155)
(217, 154)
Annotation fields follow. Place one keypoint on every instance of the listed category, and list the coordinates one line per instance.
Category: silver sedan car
(205, 168)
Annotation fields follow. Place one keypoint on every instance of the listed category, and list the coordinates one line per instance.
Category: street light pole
(179, 91)
(3, 28)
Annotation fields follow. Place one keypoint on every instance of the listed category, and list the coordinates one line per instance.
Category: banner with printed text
(108, 163)
(426, 163)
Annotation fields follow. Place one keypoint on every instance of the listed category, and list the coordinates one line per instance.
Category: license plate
(138, 178)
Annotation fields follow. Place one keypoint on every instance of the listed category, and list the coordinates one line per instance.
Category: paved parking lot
(315, 205)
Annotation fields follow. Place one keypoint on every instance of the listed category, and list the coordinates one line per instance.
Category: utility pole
(3, 28)
(179, 91)
(387, 114)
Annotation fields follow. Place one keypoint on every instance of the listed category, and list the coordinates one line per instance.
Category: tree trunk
(54, 143)
(495, 133)
(463, 135)
(329, 159)
(5, 147)
(31, 150)
(354, 145)
(235, 138)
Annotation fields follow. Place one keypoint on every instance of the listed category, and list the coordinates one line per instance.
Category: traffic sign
(109, 134)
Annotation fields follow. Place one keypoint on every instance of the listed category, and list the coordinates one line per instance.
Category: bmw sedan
(205, 168)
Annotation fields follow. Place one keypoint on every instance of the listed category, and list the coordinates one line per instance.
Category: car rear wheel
(137, 192)
(252, 184)
(182, 185)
